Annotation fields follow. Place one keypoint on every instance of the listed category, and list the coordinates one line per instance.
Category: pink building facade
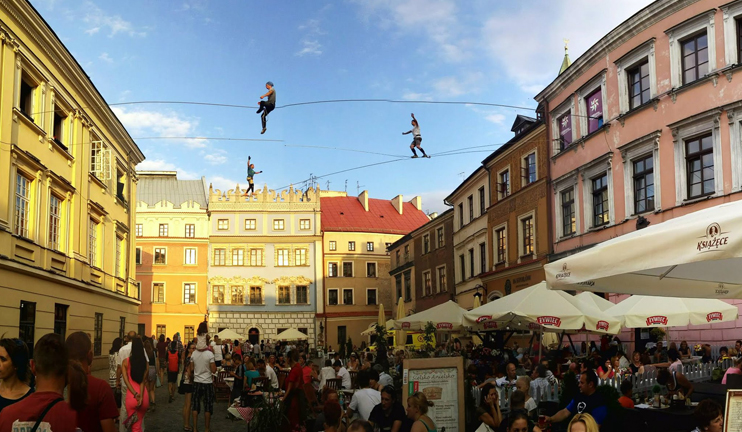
(647, 126)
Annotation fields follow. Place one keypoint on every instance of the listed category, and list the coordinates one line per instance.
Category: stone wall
(268, 323)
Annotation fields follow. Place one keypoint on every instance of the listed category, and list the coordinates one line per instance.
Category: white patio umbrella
(649, 311)
(229, 334)
(448, 316)
(372, 330)
(291, 334)
(697, 255)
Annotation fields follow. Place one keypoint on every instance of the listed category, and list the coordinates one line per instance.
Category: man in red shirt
(47, 406)
(101, 411)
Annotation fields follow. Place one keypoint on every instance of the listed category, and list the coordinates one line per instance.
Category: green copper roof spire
(566, 62)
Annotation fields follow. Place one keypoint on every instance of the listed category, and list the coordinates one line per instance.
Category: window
(371, 296)
(60, 319)
(139, 230)
(565, 130)
(120, 184)
(639, 89)
(238, 295)
(600, 200)
(238, 257)
(503, 185)
(250, 224)
(462, 266)
(300, 257)
(529, 169)
(256, 295)
(27, 324)
(407, 286)
(470, 201)
(482, 202)
(22, 205)
(161, 330)
(190, 256)
(427, 283)
(398, 284)
(93, 242)
(163, 230)
(304, 224)
(738, 23)
(122, 327)
(568, 212)
(471, 263)
(482, 257)
(406, 253)
(371, 269)
(341, 335)
(158, 292)
(347, 296)
(217, 294)
(347, 269)
(278, 224)
(441, 240)
(594, 105)
(100, 160)
(332, 269)
(332, 297)
(694, 57)
(160, 256)
(351, 245)
(189, 293)
(282, 257)
(55, 207)
(188, 334)
(501, 245)
(28, 92)
(369, 246)
(442, 279)
(643, 184)
(256, 257)
(333, 245)
(302, 294)
(118, 265)
(527, 232)
(426, 243)
(98, 335)
(220, 257)
(190, 231)
(699, 160)
(461, 215)
(399, 260)
(138, 256)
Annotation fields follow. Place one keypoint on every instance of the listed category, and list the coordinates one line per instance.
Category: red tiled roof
(346, 214)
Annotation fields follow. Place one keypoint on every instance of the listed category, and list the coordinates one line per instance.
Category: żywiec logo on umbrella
(489, 325)
(564, 274)
(714, 316)
(484, 318)
(550, 321)
(713, 240)
(602, 325)
(444, 326)
(405, 325)
(657, 319)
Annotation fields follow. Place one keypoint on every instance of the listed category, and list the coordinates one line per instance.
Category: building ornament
(292, 280)
(239, 280)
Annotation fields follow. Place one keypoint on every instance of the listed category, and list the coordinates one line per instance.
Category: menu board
(441, 381)
(733, 411)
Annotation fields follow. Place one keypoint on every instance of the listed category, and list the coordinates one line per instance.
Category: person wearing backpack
(173, 367)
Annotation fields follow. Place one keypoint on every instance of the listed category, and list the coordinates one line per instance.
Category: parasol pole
(541, 344)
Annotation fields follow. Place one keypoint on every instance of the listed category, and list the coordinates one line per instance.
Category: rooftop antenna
(328, 184)
(346, 185)
(461, 174)
(358, 187)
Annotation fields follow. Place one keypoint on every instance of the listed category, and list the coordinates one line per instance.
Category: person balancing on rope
(267, 106)
(416, 138)
(250, 174)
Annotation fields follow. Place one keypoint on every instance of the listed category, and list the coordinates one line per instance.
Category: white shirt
(364, 400)
(531, 405)
(504, 380)
(125, 353)
(326, 373)
(343, 373)
(271, 374)
(385, 379)
(217, 351)
(202, 361)
(256, 349)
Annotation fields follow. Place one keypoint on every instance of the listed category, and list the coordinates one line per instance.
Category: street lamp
(478, 294)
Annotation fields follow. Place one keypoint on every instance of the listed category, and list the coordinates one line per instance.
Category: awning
(648, 311)
(448, 316)
(291, 334)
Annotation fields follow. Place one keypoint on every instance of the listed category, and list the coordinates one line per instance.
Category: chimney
(363, 199)
(397, 203)
(433, 215)
(417, 202)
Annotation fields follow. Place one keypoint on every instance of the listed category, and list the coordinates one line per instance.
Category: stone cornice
(239, 280)
(292, 280)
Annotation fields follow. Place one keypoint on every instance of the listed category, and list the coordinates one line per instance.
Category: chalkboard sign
(441, 380)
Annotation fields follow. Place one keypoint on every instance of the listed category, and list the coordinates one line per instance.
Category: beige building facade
(66, 246)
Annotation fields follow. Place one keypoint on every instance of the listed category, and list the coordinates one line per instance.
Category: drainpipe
(549, 192)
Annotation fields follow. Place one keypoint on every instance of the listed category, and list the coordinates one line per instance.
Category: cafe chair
(734, 382)
(334, 383)
(353, 379)
(221, 389)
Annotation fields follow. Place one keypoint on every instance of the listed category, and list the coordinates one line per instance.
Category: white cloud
(416, 96)
(532, 58)
(498, 119)
(223, 184)
(310, 43)
(310, 47)
(97, 19)
(105, 57)
(124, 95)
(160, 124)
(453, 86)
(162, 165)
(217, 158)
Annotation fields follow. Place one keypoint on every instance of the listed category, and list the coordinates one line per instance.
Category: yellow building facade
(172, 261)
(67, 164)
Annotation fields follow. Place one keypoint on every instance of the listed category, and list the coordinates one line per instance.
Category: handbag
(43, 413)
(484, 427)
(117, 397)
(158, 384)
(131, 420)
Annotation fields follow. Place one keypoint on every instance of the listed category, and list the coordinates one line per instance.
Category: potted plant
(656, 392)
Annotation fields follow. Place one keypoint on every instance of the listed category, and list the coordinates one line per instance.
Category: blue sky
(224, 51)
